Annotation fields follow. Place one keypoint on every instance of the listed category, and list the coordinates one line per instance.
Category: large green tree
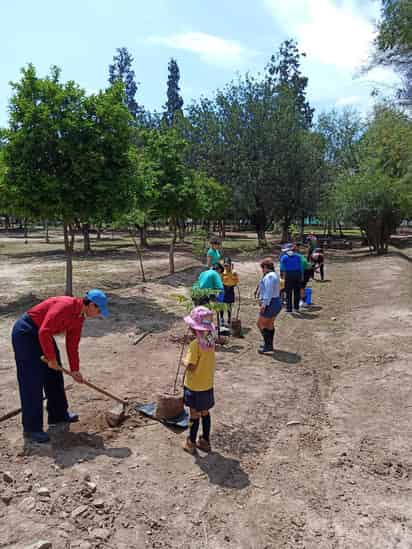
(174, 103)
(162, 166)
(121, 71)
(377, 196)
(341, 132)
(66, 153)
(393, 44)
(252, 138)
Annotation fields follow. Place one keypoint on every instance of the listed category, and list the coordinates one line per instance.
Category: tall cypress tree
(174, 101)
(285, 75)
(121, 69)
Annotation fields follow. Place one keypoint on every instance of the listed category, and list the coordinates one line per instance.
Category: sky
(212, 40)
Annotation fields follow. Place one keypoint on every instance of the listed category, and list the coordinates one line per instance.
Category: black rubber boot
(271, 337)
(268, 338)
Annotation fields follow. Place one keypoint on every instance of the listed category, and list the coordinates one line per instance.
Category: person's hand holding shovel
(53, 364)
(77, 376)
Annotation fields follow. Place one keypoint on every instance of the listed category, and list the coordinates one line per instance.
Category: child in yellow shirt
(199, 377)
(230, 279)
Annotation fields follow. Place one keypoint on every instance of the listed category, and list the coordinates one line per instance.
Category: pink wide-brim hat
(199, 319)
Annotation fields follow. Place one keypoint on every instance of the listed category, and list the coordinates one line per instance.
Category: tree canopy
(66, 152)
(393, 43)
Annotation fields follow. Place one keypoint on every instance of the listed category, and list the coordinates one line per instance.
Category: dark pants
(34, 377)
(320, 265)
(307, 275)
(293, 283)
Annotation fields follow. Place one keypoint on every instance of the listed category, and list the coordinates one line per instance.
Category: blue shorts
(199, 400)
(273, 309)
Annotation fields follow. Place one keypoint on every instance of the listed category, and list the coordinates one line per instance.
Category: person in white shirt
(270, 304)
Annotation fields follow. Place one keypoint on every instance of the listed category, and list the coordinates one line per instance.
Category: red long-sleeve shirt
(55, 316)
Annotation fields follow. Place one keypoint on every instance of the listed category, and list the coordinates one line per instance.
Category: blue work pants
(35, 377)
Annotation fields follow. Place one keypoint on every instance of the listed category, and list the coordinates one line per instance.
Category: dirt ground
(311, 446)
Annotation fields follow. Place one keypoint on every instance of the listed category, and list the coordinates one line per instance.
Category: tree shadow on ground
(305, 315)
(20, 305)
(100, 250)
(184, 277)
(401, 255)
(353, 256)
(138, 312)
(286, 356)
(143, 314)
(67, 448)
(223, 471)
(314, 308)
(228, 348)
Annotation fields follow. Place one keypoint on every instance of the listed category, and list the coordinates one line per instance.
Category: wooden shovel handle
(238, 303)
(91, 385)
(179, 363)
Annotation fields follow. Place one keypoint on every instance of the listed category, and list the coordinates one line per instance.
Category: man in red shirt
(32, 338)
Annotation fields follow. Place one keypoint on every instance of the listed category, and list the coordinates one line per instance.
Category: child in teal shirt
(213, 255)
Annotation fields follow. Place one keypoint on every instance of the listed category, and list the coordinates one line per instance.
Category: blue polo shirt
(290, 263)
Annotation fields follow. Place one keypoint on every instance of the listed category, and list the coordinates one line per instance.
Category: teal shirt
(305, 263)
(209, 280)
(215, 255)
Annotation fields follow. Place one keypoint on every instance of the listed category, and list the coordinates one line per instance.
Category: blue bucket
(308, 296)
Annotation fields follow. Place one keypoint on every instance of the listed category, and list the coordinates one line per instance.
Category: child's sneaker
(302, 303)
(204, 445)
(189, 446)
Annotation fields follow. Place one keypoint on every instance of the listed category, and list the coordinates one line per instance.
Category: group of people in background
(218, 283)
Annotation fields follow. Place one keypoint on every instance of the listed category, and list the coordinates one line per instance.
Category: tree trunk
(139, 255)
(46, 227)
(26, 230)
(302, 227)
(86, 238)
(172, 248)
(285, 230)
(68, 248)
(99, 232)
(143, 235)
(259, 221)
(222, 229)
(181, 225)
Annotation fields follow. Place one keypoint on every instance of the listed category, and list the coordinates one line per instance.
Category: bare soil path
(311, 446)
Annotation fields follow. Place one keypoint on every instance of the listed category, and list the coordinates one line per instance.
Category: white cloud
(332, 34)
(211, 49)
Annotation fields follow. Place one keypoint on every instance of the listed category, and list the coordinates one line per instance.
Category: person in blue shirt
(291, 270)
(270, 304)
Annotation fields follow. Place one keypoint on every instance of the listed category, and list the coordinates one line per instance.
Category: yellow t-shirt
(200, 379)
(230, 279)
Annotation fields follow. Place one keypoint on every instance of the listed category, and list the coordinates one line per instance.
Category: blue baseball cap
(99, 298)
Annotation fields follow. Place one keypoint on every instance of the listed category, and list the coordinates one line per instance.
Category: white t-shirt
(269, 287)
